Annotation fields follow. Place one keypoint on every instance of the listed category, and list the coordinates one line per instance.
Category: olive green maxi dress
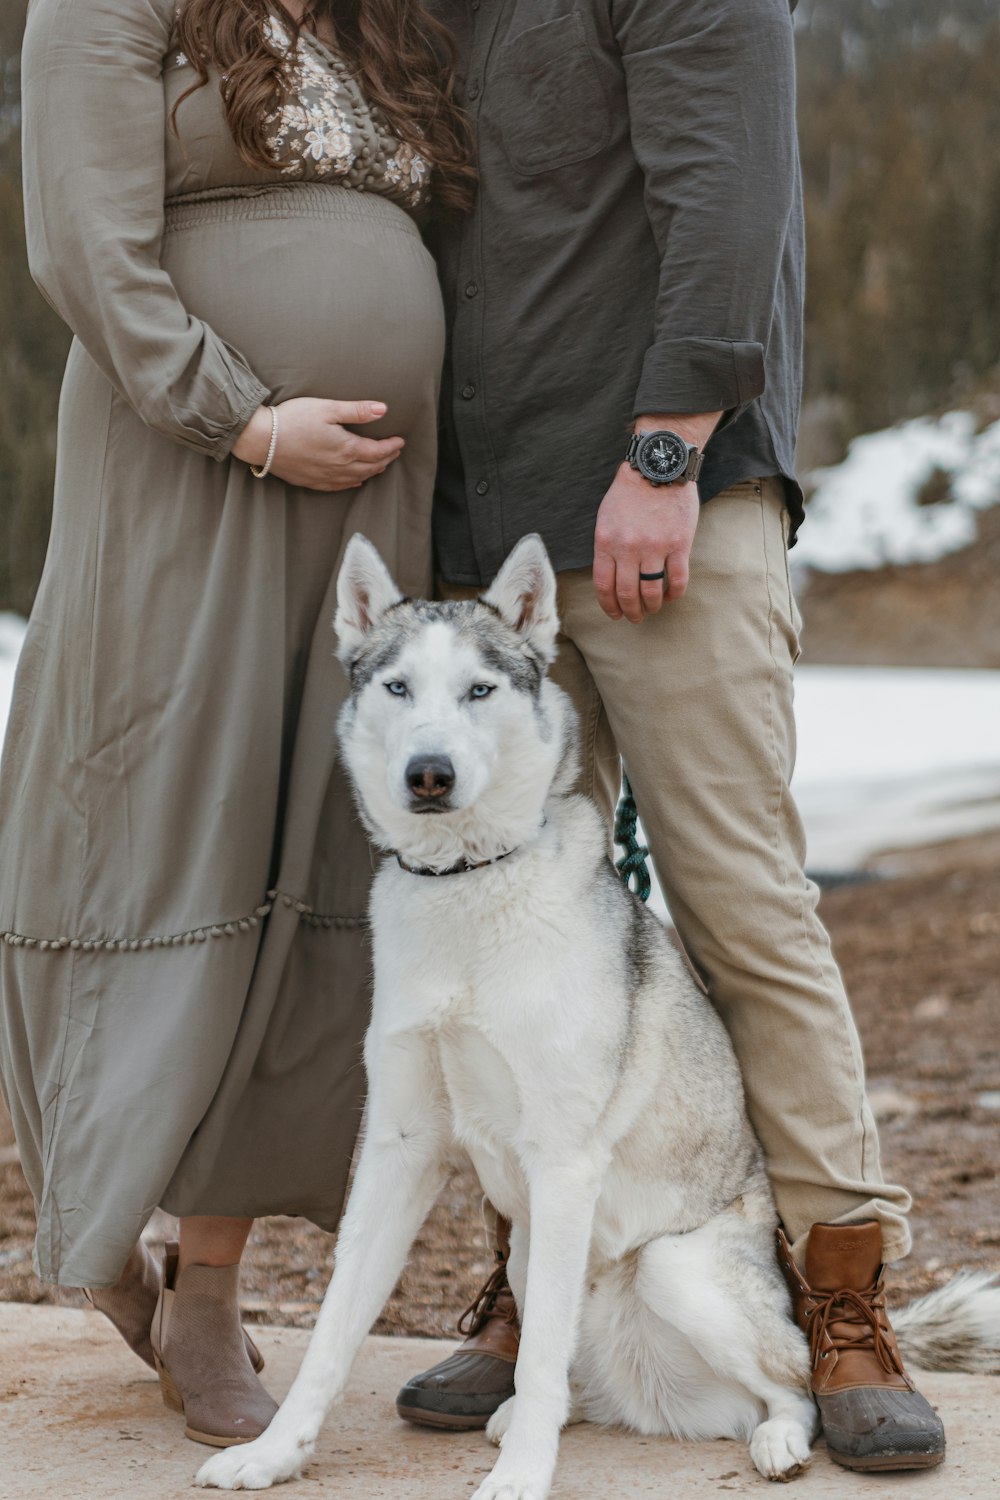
(183, 882)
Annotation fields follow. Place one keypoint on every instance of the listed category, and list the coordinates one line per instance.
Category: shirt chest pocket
(550, 103)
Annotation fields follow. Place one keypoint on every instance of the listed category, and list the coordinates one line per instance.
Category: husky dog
(531, 1014)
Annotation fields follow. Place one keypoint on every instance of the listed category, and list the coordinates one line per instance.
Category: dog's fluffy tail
(956, 1327)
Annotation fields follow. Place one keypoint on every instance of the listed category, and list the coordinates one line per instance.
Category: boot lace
(859, 1325)
(495, 1298)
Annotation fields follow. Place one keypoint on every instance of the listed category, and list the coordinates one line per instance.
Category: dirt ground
(920, 949)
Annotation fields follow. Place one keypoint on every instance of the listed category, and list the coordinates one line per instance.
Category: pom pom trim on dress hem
(304, 911)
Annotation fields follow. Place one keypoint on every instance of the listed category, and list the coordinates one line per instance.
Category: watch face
(662, 455)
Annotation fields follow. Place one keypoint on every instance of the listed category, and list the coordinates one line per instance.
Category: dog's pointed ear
(524, 595)
(365, 590)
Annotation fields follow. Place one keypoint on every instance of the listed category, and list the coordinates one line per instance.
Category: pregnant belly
(343, 303)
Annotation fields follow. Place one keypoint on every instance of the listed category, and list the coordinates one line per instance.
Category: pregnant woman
(222, 208)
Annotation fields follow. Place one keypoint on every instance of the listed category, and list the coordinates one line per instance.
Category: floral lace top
(327, 130)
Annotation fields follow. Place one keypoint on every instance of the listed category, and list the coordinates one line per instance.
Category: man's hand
(647, 528)
(642, 528)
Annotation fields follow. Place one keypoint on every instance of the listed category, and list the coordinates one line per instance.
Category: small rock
(989, 1100)
(931, 1008)
(890, 1104)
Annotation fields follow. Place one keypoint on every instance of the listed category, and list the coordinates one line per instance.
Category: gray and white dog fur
(531, 1015)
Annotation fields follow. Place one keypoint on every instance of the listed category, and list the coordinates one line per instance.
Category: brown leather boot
(873, 1416)
(464, 1390)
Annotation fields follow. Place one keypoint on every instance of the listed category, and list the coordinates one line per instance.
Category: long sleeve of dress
(711, 90)
(93, 130)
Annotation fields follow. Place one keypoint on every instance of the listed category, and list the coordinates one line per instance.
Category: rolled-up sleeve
(711, 93)
(93, 129)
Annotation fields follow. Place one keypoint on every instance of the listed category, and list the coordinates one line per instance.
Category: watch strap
(694, 464)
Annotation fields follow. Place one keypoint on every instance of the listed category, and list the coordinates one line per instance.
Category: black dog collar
(463, 865)
(460, 869)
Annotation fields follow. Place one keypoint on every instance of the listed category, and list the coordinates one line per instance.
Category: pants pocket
(794, 616)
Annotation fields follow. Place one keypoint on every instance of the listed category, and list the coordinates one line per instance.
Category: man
(633, 265)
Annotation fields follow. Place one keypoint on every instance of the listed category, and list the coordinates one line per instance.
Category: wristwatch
(664, 457)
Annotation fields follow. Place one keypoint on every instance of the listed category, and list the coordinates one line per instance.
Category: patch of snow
(874, 723)
(894, 757)
(864, 511)
(847, 822)
(12, 629)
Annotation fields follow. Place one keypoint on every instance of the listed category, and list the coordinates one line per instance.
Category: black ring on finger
(652, 577)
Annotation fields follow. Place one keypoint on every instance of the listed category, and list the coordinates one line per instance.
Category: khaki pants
(698, 701)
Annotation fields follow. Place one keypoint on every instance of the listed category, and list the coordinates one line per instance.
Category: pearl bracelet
(265, 468)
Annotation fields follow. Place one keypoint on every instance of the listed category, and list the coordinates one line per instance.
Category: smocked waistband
(287, 200)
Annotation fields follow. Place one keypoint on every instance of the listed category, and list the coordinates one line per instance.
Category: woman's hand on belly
(315, 451)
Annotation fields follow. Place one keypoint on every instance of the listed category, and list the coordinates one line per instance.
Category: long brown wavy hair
(403, 59)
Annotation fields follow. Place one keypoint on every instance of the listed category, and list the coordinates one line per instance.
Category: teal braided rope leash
(632, 867)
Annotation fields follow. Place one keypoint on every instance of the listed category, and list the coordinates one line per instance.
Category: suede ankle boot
(201, 1357)
(130, 1304)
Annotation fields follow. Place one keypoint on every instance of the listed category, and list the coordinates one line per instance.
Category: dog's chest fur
(486, 1109)
(513, 993)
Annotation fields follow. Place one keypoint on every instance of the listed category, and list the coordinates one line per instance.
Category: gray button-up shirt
(636, 248)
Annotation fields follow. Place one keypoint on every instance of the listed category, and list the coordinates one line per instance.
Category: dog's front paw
(253, 1466)
(508, 1489)
(496, 1427)
(780, 1448)
(512, 1485)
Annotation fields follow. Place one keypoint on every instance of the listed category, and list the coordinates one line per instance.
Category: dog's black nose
(430, 775)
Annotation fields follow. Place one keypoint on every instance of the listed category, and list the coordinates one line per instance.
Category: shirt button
(468, 391)
(482, 487)
(472, 92)
(471, 289)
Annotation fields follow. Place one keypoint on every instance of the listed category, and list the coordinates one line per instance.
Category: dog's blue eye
(397, 689)
(481, 690)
